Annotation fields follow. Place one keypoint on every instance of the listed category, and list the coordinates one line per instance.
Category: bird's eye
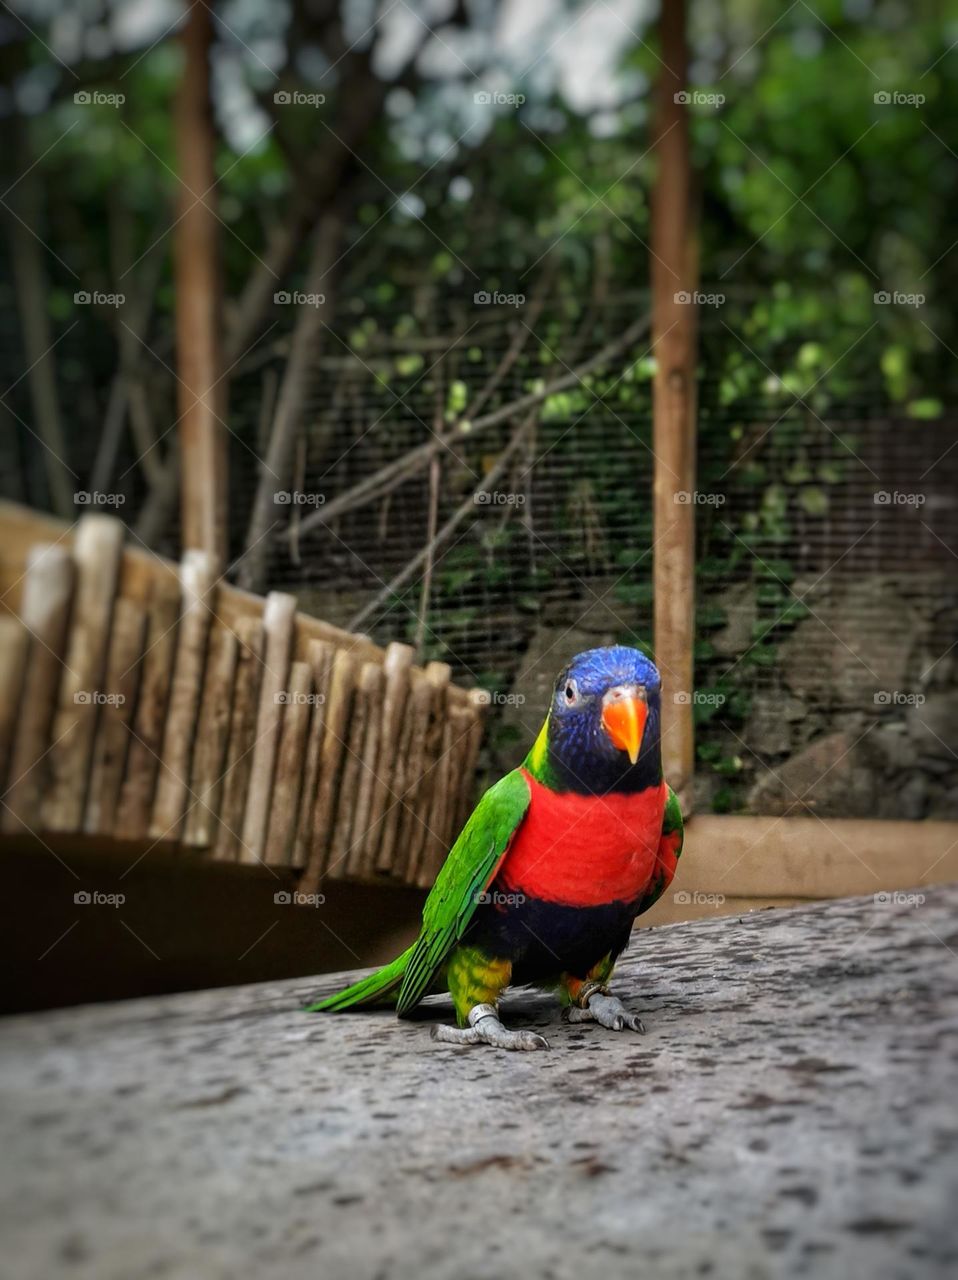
(571, 693)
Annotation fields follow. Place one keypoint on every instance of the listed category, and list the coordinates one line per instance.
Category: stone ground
(791, 1112)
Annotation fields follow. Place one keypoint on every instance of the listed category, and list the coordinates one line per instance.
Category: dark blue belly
(544, 940)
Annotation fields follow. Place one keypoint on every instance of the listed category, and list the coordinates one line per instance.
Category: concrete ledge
(791, 1112)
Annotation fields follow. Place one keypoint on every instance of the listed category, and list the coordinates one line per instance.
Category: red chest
(585, 850)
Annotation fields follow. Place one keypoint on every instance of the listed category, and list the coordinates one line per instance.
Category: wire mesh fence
(827, 530)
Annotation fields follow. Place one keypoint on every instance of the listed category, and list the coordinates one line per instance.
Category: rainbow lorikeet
(552, 868)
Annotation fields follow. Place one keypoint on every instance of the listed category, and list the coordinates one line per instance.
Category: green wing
(467, 872)
(670, 850)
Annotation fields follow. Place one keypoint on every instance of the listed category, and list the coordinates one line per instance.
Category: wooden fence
(145, 701)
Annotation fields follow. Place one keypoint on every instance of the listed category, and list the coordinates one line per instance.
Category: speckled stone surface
(792, 1111)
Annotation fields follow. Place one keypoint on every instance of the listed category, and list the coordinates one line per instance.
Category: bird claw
(607, 1011)
(487, 1029)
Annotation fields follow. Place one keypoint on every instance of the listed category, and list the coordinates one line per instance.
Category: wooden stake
(396, 667)
(279, 623)
(338, 709)
(44, 612)
(448, 787)
(97, 548)
(14, 647)
(364, 741)
(200, 385)
(674, 340)
(418, 827)
(113, 735)
(212, 734)
(149, 722)
(289, 765)
(242, 738)
(172, 785)
(320, 657)
(403, 824)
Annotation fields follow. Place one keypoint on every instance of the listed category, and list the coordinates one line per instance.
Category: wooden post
(201, 392)
(674, 335)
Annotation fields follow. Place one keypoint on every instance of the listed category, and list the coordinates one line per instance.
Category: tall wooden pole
(201, 396)
(674, 333)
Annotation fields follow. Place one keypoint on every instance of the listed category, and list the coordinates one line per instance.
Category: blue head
(602, 731)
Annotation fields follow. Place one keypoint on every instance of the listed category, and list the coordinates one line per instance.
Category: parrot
(558, 858)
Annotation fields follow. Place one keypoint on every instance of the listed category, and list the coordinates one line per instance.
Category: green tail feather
(379, 988)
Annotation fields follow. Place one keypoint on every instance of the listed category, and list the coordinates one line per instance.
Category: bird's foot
(485, 1028)
(607, 1011)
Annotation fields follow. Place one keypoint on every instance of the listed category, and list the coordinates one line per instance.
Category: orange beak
(623, 718)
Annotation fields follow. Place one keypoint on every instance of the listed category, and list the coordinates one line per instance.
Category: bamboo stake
(242, 738)
(14, 648)
(338, 708)
(290, 766)
(396, 667)
(156, 673)
(44, 613)
(402, 824)
(113, 735)
(475, 707)
(418, 830)
(446, 793)
(320, 657)
(364, 741)
(212, 733)
(172, 785)
(97, 549)
(279, 622)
